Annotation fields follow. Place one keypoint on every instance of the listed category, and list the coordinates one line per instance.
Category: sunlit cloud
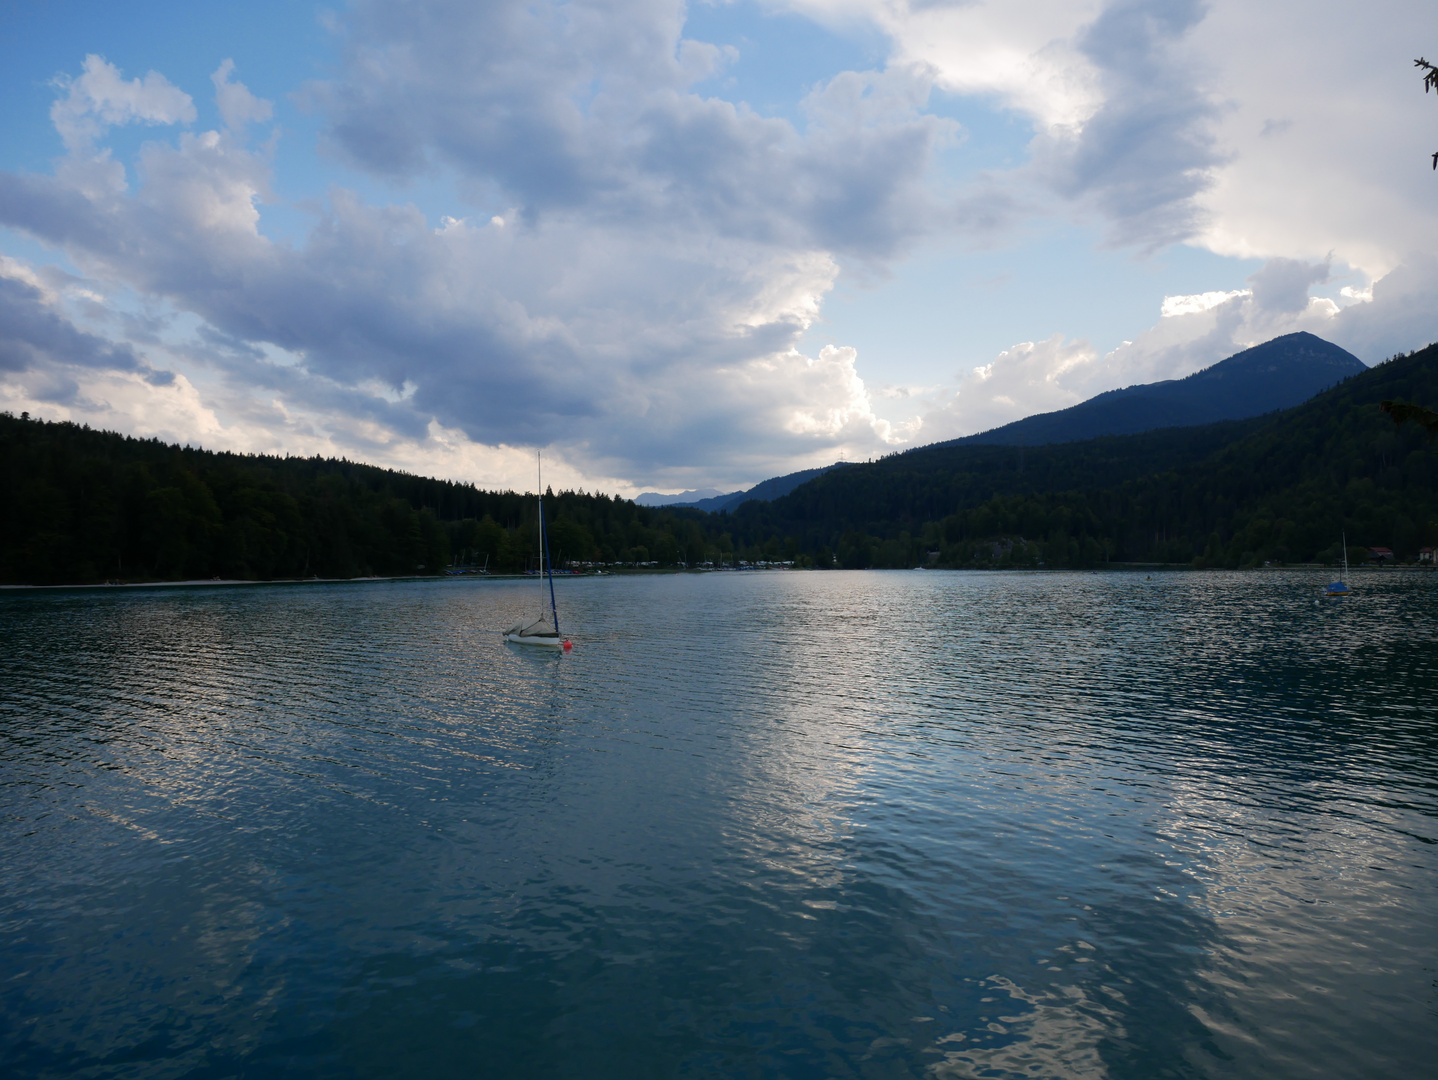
(549, 225)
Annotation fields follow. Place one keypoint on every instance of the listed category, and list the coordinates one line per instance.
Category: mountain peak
(1276, 374)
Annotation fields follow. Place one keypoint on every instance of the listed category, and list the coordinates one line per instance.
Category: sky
(689, 246)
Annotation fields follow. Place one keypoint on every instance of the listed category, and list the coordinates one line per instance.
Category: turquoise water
(880, 824)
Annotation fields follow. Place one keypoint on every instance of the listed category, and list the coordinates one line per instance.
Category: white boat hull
(536, 633)
(553, 641)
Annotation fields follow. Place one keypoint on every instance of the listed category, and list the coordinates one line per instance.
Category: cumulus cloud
(1326, 164)
(1030, 377)
(34, 335)
(1148, 150)
(1194, 332)
(584, 107)
(1023, 52)
(100, 97)
(1396, 315)
(1194, 303)
(1282, 285)
(1123, 115)
(1199, 120)
(630, 263)
(237, 105)
(640, 316)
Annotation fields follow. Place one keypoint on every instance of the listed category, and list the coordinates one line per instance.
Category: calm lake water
(882, 824)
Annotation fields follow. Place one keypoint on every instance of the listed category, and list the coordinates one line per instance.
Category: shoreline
(219, 582)
(627, 572)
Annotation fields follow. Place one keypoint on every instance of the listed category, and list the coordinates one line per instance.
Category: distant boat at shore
(1340, 587)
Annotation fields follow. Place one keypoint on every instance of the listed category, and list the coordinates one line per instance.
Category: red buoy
(567, 645)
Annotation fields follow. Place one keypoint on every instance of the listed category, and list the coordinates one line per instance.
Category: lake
(847, 824)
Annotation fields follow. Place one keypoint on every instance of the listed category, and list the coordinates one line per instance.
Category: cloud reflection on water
(817, 824)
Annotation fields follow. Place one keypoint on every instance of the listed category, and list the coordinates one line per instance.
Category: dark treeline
(88, 506)
(1277, 488)
(85, 506)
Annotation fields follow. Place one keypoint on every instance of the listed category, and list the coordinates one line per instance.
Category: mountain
(78, 505)
(1278, 374)
(1281, 487)
(684, 498)
(764, 491)
(1275, 375)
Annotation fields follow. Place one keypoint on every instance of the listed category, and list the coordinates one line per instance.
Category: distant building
(1380, 554)
(1425, 555)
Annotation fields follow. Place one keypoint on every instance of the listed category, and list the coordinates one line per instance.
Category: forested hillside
(765, 490)
(1278, 374)
(1278, 488)
(87, 506)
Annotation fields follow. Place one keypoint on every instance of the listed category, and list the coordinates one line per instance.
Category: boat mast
(1344, 535)
(546, 570)
(549, 571)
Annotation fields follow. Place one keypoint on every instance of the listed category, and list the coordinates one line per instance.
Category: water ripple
(837, 824)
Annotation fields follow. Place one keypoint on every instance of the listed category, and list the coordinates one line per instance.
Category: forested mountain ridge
(1277, 374)
(86, 506)
(907, 489)
(764, 491)
(1280, 487)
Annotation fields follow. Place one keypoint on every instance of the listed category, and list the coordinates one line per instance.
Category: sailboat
(1339, 587)
(545, 629)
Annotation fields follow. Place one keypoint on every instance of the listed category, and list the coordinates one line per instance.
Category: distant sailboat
(1339, 587)
(545, 629)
